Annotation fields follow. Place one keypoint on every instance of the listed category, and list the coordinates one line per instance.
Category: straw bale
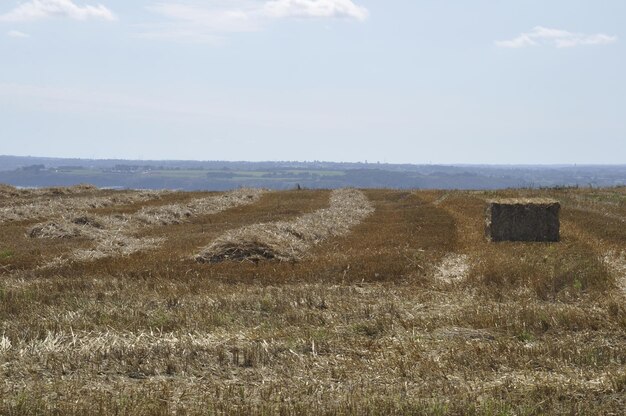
(524, 219)
(290, 240)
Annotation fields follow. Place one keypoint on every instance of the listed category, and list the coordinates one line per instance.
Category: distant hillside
(222, 175)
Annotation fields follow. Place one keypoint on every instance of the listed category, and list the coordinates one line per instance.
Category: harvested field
(114, 234)
(412, 311)
(94, 226)
(52, 206)
(290, 240)
(176, 213)
(453, 268)
(8, 191)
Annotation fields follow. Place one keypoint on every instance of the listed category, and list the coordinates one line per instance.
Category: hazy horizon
(405, 81)
(369, 162)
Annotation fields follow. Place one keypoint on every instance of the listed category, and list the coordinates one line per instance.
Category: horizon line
(363, 162)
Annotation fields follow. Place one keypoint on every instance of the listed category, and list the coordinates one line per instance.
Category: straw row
(290, 240)
(53, 207)
(113, 234)
(94, 226)
(8, 191)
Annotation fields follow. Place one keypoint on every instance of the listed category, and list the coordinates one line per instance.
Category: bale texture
(530, 219)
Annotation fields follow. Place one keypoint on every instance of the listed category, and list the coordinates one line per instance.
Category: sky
(396, 81)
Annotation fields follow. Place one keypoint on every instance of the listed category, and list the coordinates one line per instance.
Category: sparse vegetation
(411, 312)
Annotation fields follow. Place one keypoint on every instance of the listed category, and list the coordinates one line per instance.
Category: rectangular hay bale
(530, 219)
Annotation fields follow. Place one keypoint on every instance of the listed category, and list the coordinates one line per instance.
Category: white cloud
(555, 37)
(242, 18)
(44, 9)
(194, 21)
(315, 8)
(17, 34)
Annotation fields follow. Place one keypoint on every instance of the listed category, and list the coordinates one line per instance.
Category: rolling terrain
(222, 175)
(110, 304)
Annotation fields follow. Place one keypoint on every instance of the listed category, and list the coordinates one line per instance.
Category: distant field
(403, 309)
(224, 176)
(201, 173)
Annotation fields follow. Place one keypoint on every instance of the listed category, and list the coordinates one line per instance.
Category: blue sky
(417, 81)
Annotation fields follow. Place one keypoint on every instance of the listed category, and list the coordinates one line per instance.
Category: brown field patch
(290, 240)
(114, 234)
(364, 325)
(52, 206)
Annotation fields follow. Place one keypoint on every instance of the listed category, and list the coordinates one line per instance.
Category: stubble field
(336, 302)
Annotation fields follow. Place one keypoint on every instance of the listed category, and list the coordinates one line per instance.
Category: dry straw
(11, 191)
(82, 224)
(178, 213)
(8, 191)
(522, 219)
(53, 206)
(290, 240)
(113, 234)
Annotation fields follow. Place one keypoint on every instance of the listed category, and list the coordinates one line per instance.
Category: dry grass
(114, 235)
(616, 264)
(8, 191)
(290, 240)
(52, 204)
(365, 324)
(178, 213)
(453, 268)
